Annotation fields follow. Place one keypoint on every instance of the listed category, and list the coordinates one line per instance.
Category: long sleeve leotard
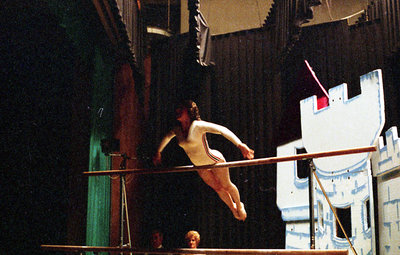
(195, 144)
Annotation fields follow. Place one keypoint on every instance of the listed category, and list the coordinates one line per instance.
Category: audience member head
(192, 239)
(156, 239)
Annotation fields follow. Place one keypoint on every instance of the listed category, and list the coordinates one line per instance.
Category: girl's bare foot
(242, 212)
(235, 212)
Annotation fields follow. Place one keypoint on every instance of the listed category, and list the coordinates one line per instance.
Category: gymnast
(191, 136)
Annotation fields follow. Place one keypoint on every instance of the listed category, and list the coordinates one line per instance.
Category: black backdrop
(253, 93)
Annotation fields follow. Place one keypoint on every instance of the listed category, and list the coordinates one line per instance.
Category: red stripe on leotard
(208, 152)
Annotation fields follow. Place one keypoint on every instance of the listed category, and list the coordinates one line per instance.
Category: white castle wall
(345, 123)
(386, 167)
(292, 199)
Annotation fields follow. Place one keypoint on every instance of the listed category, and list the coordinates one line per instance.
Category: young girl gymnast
(191, 136)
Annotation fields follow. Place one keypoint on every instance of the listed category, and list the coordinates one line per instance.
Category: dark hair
(192, 108)
(155, 231)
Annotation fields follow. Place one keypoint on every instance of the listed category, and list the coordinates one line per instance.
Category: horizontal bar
(240, 163)
(71, 248)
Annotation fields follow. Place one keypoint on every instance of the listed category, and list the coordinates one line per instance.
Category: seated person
(192, 239)
(156, 239)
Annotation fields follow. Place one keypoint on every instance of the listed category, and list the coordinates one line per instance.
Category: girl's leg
(222, 175)
(211, 180)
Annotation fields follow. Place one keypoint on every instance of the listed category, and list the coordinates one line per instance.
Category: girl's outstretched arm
(246, 151)
(167, 138)
(221, 130)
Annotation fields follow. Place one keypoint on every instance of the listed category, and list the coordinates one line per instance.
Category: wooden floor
(126, 250)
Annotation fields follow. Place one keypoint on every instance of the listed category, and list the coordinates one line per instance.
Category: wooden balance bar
(240, 163)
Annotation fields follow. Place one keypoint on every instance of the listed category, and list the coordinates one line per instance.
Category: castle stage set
(343, 145)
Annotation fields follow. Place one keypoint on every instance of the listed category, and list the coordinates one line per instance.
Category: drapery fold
(98, 211)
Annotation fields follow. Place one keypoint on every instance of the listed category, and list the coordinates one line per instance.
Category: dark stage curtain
(127, 120)
(36, 98)
(255, 93)
(242, 93)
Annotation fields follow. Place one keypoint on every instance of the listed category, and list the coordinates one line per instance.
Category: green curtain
(98, 211)
(80, 21)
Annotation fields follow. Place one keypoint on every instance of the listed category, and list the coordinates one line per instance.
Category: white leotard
(195, 144)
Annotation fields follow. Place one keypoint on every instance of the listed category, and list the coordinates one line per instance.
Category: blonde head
(192, 235)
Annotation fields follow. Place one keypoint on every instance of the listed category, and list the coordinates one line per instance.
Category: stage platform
(127, 250)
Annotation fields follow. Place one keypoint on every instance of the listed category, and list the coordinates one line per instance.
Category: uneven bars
(232, 164)
(71, 248)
